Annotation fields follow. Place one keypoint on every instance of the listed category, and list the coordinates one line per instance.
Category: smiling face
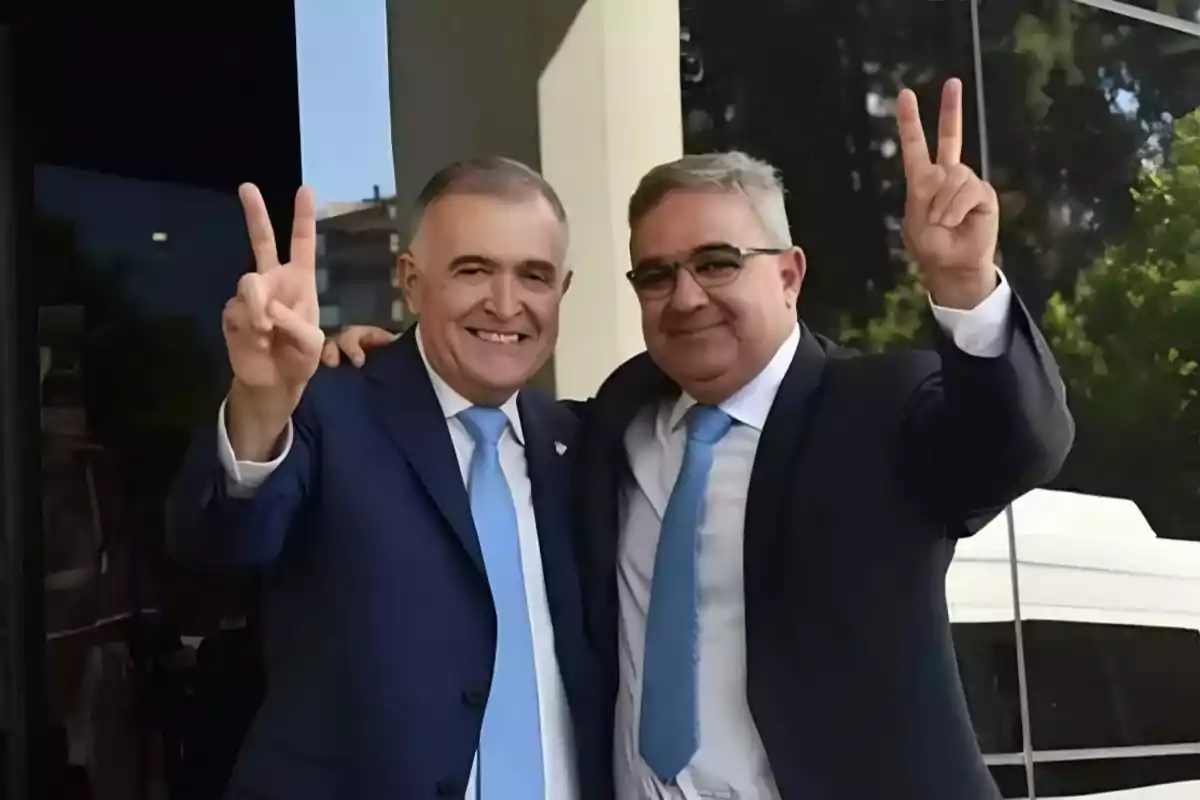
(485, 275)
(713, 341)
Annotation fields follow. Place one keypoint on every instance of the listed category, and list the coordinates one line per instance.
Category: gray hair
(489, 176)
(729, 171)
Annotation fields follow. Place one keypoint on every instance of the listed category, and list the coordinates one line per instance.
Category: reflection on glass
(1095, 150)
(1095, 135)
(1094, 141)
(811, 86)
(131, 278)
(1161, 12)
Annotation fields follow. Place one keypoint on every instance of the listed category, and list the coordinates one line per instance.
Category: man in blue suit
(423, 617)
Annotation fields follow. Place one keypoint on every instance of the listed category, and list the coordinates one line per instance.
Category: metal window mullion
(1156, 18)
(985, 170)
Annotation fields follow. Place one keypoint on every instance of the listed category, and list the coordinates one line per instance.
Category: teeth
(498, 338)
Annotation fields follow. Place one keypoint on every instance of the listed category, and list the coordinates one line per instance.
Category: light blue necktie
(510, 750)
(668, 735)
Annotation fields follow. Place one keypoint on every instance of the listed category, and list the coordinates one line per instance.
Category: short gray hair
(729, 171)
(489, 176)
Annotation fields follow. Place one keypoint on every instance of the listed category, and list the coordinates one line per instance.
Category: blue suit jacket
(379, 627)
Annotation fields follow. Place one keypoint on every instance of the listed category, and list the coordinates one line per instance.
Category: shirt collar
(751, 404)
(453, 403)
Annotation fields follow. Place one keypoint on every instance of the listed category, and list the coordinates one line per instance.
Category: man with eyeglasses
(764, 550)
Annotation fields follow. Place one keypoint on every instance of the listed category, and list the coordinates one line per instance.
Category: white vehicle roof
(1081, 558)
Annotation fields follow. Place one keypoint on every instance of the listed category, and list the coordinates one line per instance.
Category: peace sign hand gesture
(951, 216)
(271, 329)
(271, 326)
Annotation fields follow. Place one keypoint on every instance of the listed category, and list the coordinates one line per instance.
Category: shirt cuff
(246, 476)
(983, 330)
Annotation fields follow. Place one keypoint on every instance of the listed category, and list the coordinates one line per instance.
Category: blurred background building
(357, 247)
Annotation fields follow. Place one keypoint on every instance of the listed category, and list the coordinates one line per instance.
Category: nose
(687, 294)
(503, 302)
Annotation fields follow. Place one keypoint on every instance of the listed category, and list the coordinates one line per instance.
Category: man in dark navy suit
(423, 618)
(765, 519)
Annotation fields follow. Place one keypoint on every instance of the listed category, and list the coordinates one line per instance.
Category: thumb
(296, 330)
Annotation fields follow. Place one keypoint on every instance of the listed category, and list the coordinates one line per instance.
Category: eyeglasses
(711, 266)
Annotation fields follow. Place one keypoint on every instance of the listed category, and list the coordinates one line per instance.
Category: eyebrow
(468, 260)
(657, 260)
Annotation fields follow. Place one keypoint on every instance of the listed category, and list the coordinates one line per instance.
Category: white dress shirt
(730, 763)
(558, 750)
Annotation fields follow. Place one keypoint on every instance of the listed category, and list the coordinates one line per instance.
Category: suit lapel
(781, 442)
(549, 481)
(404, 401)
(602, 468)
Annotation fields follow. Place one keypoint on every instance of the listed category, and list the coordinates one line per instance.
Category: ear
(567, 281)
(410, 281)
(793, 266)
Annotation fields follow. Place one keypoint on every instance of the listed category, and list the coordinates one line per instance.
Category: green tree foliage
(1081, 104)
(1128, 341)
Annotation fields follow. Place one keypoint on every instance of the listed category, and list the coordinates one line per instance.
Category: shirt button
(474, 698)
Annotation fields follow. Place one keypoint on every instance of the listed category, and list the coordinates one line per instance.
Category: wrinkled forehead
(686, 219)
(505, 230)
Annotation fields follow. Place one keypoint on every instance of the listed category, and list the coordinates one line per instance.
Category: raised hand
(951, 216)
(271, 329)
(271, 326)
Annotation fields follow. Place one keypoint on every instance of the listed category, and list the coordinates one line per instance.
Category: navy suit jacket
(867, 471)
(379, 627)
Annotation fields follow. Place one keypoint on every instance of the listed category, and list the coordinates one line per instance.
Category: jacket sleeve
(211, 524)
(979, 432)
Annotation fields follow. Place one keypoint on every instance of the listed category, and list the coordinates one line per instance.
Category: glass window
(137, 241)
(1182, 15)
(1091, 135)
(1104, 686)
(987, 661)
(811, 87)
(1094, 133)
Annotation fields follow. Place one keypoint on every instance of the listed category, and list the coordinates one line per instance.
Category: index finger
(304, 230)
(950, 123)
(913, 147)
(258, 225)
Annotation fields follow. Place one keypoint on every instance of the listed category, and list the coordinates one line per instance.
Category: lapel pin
(560, 448)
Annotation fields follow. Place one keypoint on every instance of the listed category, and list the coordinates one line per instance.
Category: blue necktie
(669, 731)
(510, 750)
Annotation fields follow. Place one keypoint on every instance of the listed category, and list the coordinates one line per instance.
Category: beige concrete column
(609, 110)
(585, 90)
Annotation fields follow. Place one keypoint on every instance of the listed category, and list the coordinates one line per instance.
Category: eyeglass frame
(685, 264)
